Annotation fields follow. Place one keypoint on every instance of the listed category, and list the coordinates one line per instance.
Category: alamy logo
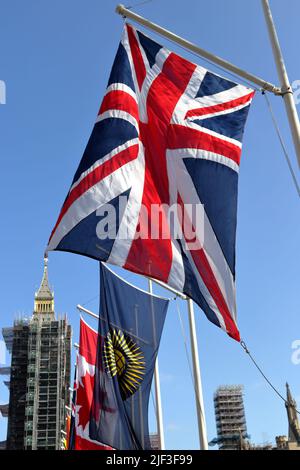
(2, 92)
(160, 222)
(296, 354)
(296, 91)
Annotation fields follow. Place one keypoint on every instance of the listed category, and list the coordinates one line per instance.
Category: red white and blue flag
(168, 133)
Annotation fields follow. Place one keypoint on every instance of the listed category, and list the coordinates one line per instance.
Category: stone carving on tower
(293, 418)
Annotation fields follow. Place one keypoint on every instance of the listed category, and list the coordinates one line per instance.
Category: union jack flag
(167, 132)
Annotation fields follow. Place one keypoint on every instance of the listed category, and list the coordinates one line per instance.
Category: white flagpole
(286, 88)
(197, 378)
(136, 312)
(159, 414)
(196, 365)
(121, 10)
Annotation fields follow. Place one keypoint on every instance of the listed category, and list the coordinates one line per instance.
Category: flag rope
(283, 146)
(130, 7)
(153, 401)
(90, 300)
(245, 348)
(243, 345)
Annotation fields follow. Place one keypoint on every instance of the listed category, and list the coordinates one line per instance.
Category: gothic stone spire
(291, 408)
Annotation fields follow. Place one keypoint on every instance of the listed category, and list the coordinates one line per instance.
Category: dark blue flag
(130, 327)
(71, 437)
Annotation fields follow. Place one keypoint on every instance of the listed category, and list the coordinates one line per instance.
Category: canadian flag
(84, 385)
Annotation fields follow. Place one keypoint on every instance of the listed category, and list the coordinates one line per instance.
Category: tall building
(154, 441)
(293, 418)
(230, 417)
(39, 375)
(292, 441)
(4, 407)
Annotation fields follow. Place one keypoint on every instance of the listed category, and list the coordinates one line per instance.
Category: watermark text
(295, 358)
(2, 92)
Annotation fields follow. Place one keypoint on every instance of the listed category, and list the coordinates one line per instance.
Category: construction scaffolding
(4, 410)
(230, 417)
(2, 445)
(8, 336)
(47, 384)
(39, 375)
(17, 395)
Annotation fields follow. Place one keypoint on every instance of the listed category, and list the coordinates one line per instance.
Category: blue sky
(55, 60)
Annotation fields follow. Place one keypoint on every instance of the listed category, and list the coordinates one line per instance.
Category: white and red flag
(84, 386)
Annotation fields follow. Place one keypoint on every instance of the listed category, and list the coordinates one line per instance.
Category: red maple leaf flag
(86, 361)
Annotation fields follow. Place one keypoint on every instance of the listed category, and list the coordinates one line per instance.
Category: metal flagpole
(99, 317)
(286, 88)
(169, 288)
(196, 365)
(121, 10)
(197, 378)
(159, 416)
(140, 398)
(85, 310)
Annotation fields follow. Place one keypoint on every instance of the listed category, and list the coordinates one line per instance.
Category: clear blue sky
(55, 59)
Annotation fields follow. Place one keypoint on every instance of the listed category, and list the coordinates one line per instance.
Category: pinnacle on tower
(44, 297)
(291, 408)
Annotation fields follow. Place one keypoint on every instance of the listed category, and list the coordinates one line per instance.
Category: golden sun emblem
(123, 358)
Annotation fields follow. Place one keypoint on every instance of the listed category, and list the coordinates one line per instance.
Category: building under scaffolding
(230, 417)
(39, 375)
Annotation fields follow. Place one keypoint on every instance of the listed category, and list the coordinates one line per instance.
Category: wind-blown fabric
(130, 328)
(167, 132)
(71, 420)
(84, 388)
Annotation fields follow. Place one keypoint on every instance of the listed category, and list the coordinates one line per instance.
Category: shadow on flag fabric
(168, 134)
(83, 391)
(71, 423)
(130, 327)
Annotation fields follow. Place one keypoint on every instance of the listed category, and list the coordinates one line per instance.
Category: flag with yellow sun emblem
(130, 327)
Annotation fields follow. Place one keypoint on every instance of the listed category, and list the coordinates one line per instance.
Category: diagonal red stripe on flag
(207, 275)
(219, 107)
(138, 62)
(95, 176)
(120, 100)
(154, 256)
(187, 137)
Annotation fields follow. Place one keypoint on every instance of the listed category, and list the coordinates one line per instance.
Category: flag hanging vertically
(168, 134)
(67, 444)
(72, 414)
(130, 327)
(83, 395)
